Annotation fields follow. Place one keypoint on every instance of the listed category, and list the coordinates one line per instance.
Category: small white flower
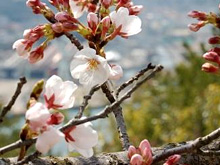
(21, 47)
(116, 72)
(48, 139)
(89, 68)
(37, 116)
(82, 138)
(77, 10)
(59, 94)
(130, 24)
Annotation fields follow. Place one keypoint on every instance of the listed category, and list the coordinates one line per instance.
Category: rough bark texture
(120, 158)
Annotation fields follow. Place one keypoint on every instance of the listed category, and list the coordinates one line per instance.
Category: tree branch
(86, 99)
(8, 107)
(103, 114)
(189, 147)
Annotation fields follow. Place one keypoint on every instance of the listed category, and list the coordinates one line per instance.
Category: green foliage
(175, 106)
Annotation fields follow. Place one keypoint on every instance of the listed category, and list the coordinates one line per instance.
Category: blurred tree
(176, 106)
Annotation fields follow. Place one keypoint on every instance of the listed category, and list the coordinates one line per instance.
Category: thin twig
(104, 113)
(86, 99)
(189, 147)
(28, 158)
(8, 107)
(135, 78)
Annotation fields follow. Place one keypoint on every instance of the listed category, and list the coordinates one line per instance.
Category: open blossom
(129, 24)
(82, 138)
(59, 94)
(89, 68)
(48, 139)
(140, 155)
(37, 117)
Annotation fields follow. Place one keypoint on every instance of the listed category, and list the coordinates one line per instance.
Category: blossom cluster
(41, 119)
(105, 21)
(143, 155)
(213, 55)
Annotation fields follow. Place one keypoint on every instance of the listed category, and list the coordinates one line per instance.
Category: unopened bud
(214, 40)
(92, 7)
(37, 54)
(131, 151)
(57, 27)
(106, 3)
(210, 68)
(196, 26)
(136, 160)
(69, 26)
(201, 16)
(212, 56)
(92, 20)
(106, 23)
(172, 160)
(65, 17)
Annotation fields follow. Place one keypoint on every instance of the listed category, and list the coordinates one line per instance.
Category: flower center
(93, 64)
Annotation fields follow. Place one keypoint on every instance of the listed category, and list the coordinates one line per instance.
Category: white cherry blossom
(37, 116)
(89, 68)
(59, 94)
(48, 139)
(82, 138)
(130, 24)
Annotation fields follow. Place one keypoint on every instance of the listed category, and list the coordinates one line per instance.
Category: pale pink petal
(21, 47)
(37, 116)
(116, 72)
(48, 139)
(76, 10)
(136, 159)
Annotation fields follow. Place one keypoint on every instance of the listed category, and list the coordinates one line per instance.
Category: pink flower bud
(106, 3)
(216, 49)
(212, 56)
(22, 47)
(57, 27)
(106, 23)
(172, 160)
(56, 119)
(68, 26)
(146, 152)
(92, 20)
(135, 10)
(131, 151)
(214, 40)
(33, 3)
(210, 68)
(201, 16)
(37, 54)
(196, 26)
(65, 17)
(91, 7)
(136, 160)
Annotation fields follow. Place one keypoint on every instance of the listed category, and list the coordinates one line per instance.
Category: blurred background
(180, 104)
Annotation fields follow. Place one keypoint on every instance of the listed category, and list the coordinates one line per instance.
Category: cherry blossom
(82, 138)
(172, 160)
(37, 117)
(48, 139)
(129, 24)
(89, 68)
(59, 94)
